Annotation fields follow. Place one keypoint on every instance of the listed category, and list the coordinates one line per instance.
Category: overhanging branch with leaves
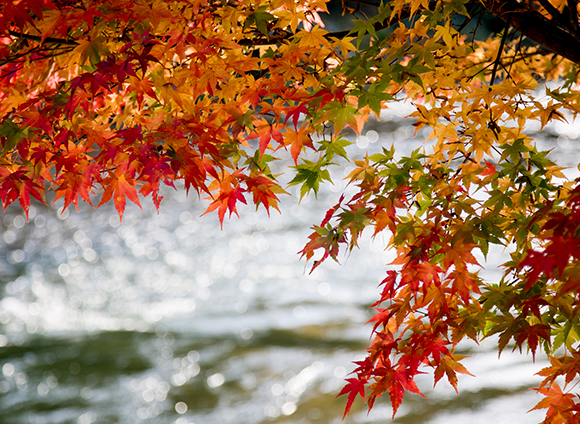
(107, 101)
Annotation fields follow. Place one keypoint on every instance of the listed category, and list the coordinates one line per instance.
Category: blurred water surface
(166, 318)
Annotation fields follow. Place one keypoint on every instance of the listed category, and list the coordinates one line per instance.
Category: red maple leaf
(353, 388)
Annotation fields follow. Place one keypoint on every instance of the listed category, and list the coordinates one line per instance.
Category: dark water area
(166, 318)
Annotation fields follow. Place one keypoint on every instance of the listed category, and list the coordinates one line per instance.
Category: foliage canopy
(105, 100)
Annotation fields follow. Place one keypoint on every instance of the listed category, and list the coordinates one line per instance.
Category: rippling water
(166, 318)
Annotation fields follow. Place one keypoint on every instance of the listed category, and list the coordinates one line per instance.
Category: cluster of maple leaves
(108, 100)
(123, 96)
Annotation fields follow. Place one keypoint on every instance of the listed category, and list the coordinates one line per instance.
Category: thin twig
(500, 50)
(51, 40)
(573, 13)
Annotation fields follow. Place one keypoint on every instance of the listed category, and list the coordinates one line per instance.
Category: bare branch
(499, 52)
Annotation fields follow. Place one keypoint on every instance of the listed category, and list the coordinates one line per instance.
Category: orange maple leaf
(117, 187)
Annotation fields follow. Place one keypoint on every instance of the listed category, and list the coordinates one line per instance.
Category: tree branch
(555, 13)
(537, 28)
(51, 40)
(499, 52)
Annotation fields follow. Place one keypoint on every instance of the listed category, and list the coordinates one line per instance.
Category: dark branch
(499, 52)
(50, 40)
(537, 28)
(555, 13)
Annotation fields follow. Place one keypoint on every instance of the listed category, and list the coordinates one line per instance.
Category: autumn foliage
(109, 100)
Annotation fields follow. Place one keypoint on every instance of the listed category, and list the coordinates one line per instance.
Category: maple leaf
(118, 188)
(389, 285)
(295, 112)
(489, 169)
(459, 254)
(260, 18)
(141, 87)
(92, 49)
(323, 238)
(230, 193)
(418, 276)
(533, 305)
(558, 403)
(395, 381)
(381, 318)
(463, 282)
(313, 38)
(353, 388)
(266, 132)
(27, 188)
(19, 185)
(71, 186)
(555, 257)
(450, 365)
(567, 365)
(298, 139)
(532, 335)
(264, 191)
